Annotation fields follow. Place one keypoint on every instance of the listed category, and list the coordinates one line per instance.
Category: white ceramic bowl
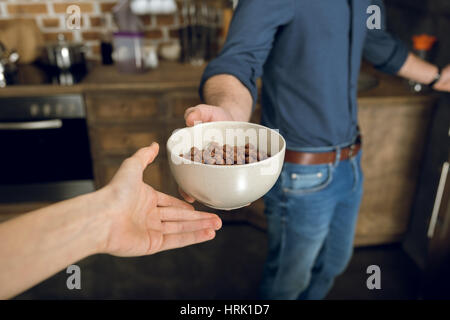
(226, 187)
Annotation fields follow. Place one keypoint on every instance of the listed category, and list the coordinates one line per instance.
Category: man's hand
(144, 221)
(206, 113)
(421, 71)
(444, 83)
(203, 113)
(228, 100)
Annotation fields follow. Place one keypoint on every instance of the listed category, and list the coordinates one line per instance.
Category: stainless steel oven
(44, 149)
(428, 238)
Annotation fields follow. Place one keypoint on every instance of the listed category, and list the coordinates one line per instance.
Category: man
(127, 218)
(308, 54)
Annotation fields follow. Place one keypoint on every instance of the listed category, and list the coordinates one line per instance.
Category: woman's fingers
(184, 227)
(172, 241)
(170, 227)
(165, 200)
(132, 168)
(147, 155)
(177, 214)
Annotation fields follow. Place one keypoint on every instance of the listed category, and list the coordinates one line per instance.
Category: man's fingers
(172, 241)
(147, 155)
(177, 214)
(201, 113)
(170, 227)
(185, 196)
(165, 200)
(444, 83)
(192, 115)
(188, 111)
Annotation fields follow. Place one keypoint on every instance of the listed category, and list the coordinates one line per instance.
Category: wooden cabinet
(121, 123)
(180, 101)
(123, 140)
(122, 107)
(394, 135)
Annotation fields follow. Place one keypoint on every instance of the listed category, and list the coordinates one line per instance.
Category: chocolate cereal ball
(216, 154)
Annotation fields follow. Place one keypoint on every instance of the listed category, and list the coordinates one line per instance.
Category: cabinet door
(179, 101)
(123, 107)
(394, 135)
(115, 140)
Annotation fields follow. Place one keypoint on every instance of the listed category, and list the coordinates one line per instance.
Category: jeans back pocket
(302, 179)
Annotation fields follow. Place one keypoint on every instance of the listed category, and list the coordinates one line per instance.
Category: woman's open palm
(146, 221)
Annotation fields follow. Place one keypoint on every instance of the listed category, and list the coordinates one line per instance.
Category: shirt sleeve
(385, 51)
(249, 41)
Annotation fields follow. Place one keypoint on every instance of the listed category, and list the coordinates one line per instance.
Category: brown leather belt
(308, 158)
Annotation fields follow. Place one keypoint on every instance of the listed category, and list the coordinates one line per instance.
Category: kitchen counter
(168, 75)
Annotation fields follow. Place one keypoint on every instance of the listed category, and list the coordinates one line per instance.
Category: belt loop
(351, 153)
(355, 173)
(338, 156)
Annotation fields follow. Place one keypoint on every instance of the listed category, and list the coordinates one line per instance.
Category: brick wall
(405, 18)
(96, 17)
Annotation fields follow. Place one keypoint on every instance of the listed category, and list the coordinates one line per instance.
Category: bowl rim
(227, 166)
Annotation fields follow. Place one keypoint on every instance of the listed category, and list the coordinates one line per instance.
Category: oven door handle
(32, 125)
(438, 200)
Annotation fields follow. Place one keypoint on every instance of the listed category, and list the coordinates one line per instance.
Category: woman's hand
(126, 218)
(144, 221)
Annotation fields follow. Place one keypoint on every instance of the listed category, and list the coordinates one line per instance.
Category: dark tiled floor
(229, 267)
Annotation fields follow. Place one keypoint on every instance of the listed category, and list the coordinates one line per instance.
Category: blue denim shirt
(308, 53)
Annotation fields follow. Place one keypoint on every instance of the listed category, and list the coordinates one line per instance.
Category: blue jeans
(311, 213)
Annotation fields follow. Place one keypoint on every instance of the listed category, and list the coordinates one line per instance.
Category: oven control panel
(67, 106)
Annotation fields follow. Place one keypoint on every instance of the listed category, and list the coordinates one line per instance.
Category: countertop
(172, 75)
(168, 75)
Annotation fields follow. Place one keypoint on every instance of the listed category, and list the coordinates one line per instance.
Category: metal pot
(65, 55)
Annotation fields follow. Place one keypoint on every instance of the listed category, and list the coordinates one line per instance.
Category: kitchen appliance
(106, 48)
(198, 33)
(128, 52)
(39, 73)
(125, 19)
(428, 238)
(45, 152)
(65, 55)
